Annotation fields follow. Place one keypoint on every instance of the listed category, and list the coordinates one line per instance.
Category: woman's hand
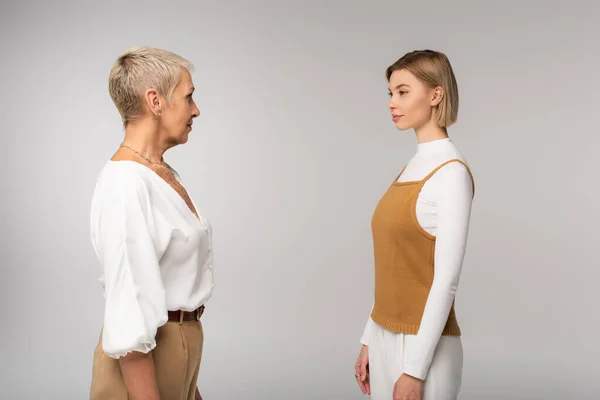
(408, 388)
(361, 370)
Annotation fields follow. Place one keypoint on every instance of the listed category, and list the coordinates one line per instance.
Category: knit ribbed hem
(410, 329)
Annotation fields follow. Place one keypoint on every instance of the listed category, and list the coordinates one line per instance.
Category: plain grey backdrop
(293, 149)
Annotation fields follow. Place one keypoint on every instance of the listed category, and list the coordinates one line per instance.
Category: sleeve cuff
(140, 347)
(126, 330)
(366, 336)
(419, 373)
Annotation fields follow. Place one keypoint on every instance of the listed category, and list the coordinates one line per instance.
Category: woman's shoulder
(449, 163)
(453, 171)
(120, 177)
(451, 159)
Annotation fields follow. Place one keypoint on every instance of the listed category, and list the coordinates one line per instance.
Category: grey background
(292, 151)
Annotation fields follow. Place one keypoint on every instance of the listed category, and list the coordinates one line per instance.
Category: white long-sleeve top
(443, 210)
(156, 255)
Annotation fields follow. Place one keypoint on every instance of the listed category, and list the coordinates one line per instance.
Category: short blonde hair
(432, 68)
(138, 70)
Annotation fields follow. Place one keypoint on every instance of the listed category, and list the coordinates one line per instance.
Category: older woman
(154, 244)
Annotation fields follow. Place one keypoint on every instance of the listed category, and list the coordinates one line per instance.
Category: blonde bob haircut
(433, 69)
(138, 70)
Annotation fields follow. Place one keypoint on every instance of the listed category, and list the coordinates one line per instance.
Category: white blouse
(155, 253)
(443, 210)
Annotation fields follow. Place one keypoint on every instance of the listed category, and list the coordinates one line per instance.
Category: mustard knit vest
(404, 256)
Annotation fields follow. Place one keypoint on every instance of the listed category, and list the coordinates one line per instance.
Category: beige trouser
(176, 357)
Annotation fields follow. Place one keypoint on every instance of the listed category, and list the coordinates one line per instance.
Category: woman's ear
(437, 96)
(153, 102)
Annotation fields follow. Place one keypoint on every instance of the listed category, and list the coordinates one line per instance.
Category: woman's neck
(142, 137)
(430, 132)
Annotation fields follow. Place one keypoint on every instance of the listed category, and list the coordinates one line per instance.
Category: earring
(157, 116)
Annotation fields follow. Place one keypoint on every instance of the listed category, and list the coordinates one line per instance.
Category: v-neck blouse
(156, 255)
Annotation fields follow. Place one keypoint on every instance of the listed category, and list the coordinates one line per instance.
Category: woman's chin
(402, 127)
(183, 138)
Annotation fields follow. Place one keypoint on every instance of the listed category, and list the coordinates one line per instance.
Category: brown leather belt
(181, 316)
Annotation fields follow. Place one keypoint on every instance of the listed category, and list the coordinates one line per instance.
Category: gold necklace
(162, 163)
(170, 176)
(167, 172)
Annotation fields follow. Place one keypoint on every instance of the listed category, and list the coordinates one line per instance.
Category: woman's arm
(453, 203)
(135, 298)
(139, 376)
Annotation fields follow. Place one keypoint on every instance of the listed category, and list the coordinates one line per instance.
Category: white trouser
(387, 354)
